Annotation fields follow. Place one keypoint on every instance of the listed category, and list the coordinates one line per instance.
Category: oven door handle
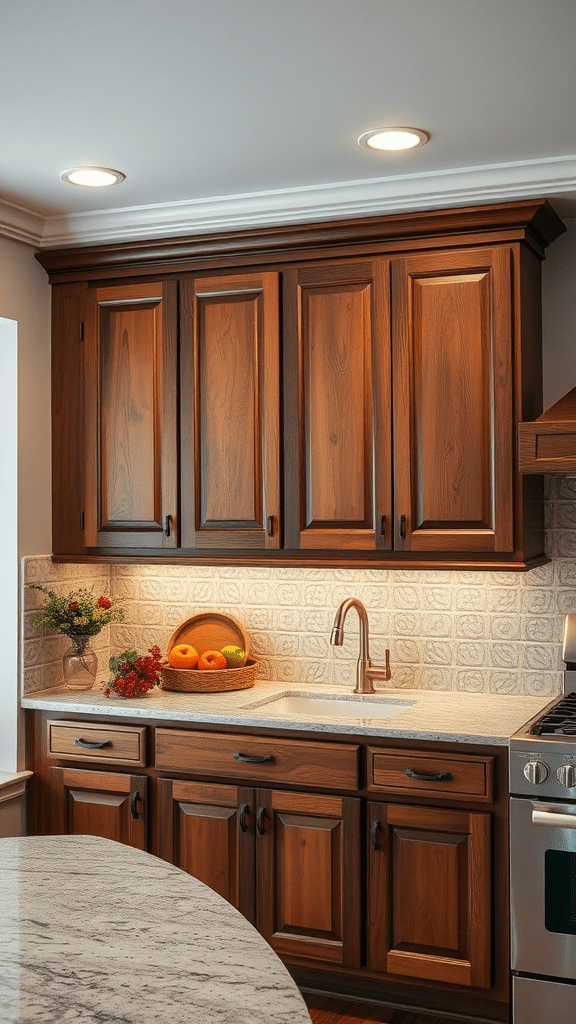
(553, 819)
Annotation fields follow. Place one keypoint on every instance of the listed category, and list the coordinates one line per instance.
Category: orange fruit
(211, 660)
(183, 656)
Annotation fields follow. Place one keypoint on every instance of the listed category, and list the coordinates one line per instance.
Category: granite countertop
(94, 931)
(429, 715)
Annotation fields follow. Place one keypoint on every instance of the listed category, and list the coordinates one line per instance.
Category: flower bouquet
(80, 616)
(133, 674)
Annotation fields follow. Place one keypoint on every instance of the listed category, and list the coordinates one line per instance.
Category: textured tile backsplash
(477, 631)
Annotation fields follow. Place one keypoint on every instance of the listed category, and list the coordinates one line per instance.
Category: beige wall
(559, 316)
(25, 300)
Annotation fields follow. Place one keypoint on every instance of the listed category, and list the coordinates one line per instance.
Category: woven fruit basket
(209, 631)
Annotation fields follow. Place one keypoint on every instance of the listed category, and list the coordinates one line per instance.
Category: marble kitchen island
(95, 932)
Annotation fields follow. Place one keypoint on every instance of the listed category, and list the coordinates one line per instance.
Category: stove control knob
(566, 775)
(536, 772)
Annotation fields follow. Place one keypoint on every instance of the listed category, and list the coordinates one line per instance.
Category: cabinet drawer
(448, 775)
(90, 741)
(325, 765)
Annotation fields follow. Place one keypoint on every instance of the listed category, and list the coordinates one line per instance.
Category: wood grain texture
(327, 1010)
(68, 454)
(452, 363)
(435, 865)
(548, 444)
(123, 744)
(308, 885)
(131, 402)
(531, 219)
(100, 804)
(337, 412)
(200, 825)
(467, 777)
(329, 765)
(315, 959)
(230, 412)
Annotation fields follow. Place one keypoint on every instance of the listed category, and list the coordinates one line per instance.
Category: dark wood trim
(533, 220)
(300, 559)
(548, 444)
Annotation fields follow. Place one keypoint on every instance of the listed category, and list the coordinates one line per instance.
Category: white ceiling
(233, 113)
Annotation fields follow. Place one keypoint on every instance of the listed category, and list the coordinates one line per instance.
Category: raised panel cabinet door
(337, 406)
(108, 804)
(131, 416)
(308, 875)
(208, 830)
(429, 893)
(230, 412)
(453, 401)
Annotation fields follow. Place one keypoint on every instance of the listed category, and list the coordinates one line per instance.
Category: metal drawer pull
(260, 819)
(243, 812)
(552, 819)
(374, 834)
(441, 777)
(265, 759)
(92, 746)
(270, 526)
(402, 527)
(166, 525)
(133, 801)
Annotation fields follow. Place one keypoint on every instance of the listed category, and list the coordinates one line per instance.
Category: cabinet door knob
(260, 819)
(133, 801)
(270, 526)
(440, 777)
(92, 746)
(402, 527)
(374, 830)
(167, 521)
(382, 525)
(243, 813)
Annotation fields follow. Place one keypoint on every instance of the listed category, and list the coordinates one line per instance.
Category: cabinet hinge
(81, 520)
(81, 332)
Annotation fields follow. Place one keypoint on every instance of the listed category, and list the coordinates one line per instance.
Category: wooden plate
(209, 631)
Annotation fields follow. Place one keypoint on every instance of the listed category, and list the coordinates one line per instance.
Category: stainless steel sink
(292, 702)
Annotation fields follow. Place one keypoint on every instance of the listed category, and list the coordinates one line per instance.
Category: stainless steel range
(543, 857)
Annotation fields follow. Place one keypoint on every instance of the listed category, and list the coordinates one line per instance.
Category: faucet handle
(380, 671)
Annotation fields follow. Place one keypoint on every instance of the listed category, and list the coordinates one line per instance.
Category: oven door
(543, 887)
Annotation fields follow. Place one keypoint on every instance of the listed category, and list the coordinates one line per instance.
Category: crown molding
(461, 186)
(21, 224)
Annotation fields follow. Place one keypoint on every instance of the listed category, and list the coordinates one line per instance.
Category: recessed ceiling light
(92, 177)
(393, 138)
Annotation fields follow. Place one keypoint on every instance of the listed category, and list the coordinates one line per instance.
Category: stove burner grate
(560, 721)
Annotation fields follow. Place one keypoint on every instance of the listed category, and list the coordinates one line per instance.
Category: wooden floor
(331, 1011)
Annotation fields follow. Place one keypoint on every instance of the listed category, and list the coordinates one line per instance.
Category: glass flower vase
(79, 664)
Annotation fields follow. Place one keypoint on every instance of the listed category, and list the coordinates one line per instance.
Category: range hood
(548, 444)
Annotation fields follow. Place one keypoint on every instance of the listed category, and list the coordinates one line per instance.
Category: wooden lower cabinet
(208, 830)
(282, 858)
(429, 893)
(390, 883)
(107, 804)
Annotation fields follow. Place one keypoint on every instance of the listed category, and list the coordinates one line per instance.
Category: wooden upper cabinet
(130, 407)
(453, 401)
(337, 406)
(375, 427)
(230, 412)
